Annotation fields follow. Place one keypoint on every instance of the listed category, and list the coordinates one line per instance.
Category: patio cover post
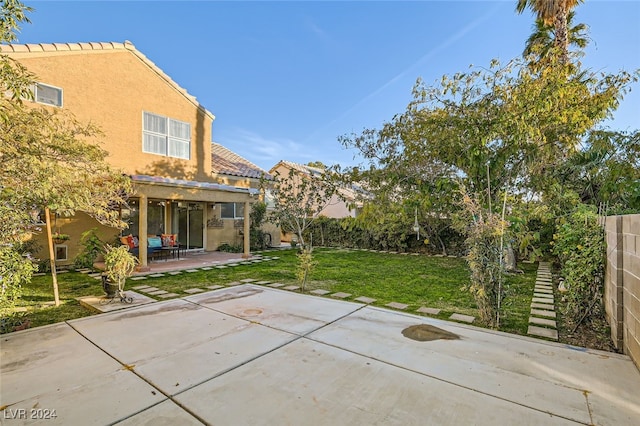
(247, 237)
(142, 230)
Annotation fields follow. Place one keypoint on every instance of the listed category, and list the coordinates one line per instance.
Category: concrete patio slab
(542, 376)
(302, 314)
(56, 368)
(344, 389)
(193, 344)
(256, 355)
(101, 304)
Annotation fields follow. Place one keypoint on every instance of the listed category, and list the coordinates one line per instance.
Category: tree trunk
(52, 257)
(562, 39)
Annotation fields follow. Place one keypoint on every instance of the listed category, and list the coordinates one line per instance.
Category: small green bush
(228, 248)
(15, 271)
(92, 246)
(580, 248)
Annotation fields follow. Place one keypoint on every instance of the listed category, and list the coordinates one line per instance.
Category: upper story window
(166, 136)
(48, 95)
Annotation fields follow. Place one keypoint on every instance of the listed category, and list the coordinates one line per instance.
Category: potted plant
(60, 238)
(119, 264)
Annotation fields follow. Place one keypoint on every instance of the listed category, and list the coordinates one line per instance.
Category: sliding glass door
(188, 223)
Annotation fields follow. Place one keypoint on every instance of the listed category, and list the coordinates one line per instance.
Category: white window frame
(65, 251)
(235, 211)
(171, 142)
(59, 89)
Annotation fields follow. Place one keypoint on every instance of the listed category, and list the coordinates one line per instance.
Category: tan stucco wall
(74, 226)
(112, 88)
(622, 283)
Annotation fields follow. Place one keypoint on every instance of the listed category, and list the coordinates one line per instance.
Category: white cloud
(264, 151)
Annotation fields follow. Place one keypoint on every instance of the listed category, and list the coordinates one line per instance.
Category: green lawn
(435, 282)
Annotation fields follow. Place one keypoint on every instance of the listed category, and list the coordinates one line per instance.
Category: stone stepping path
(276, 285)
(193, 290)
(463, 318)
(168, 295)
(396, 305)
(341, 295)
(291, 288)
(430, 311)
(542, 321)
(363, 299)
(320, 292)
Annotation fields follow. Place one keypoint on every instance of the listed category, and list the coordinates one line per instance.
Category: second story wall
(112, 85)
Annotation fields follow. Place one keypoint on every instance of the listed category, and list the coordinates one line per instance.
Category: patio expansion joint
(132, 370)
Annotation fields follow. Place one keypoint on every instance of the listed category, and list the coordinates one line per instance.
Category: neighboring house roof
(101, 46)
(313, 171)
(226, 162)
(350, 193)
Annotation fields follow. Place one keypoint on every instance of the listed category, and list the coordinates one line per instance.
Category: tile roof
(100, 46)
(226, 162)
(349, 192)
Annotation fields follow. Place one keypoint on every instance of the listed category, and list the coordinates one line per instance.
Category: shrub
(228, 248)
(15, 271)
(92, 247)
(580, 248)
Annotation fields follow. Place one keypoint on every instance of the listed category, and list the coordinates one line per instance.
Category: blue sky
(285, 79)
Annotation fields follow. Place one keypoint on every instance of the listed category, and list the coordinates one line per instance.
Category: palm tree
(542, 41)
(553, 12)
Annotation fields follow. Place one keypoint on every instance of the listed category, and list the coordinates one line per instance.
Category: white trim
(35, 94)
(66, 252)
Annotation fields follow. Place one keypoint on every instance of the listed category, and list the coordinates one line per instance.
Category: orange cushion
(168, 240)
(130, 241)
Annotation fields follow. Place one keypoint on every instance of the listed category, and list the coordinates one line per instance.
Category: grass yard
(435, 282)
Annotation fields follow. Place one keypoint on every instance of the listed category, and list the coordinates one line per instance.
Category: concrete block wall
(622, 283)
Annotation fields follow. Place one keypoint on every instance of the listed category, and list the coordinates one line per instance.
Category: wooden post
(52, 257)
(247, 237)
(142, 230)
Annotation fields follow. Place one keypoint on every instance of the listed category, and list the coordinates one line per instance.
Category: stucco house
(155, 132)
(343, 204)
(229, 168)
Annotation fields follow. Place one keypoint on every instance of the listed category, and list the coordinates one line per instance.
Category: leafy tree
(49, 159)
(499, 131)
(605, 172)
(299, 199)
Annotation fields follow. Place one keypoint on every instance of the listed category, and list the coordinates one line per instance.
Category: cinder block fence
(622, 283)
